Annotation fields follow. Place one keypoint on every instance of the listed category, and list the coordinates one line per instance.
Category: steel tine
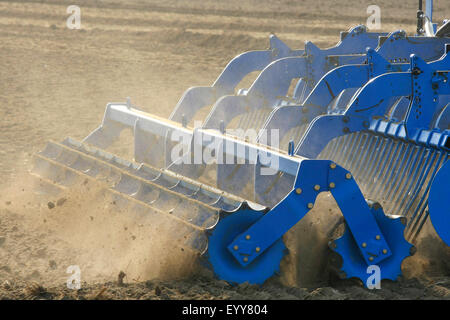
(344, 145)
(396, 164)
(362, 165)
(385, 170)
(395, 172)
(349, 152)
(437, 165)
(416, 153)
(329, 150)
(424, 172)
(423, 159)
(354, 154)
(378, 156)
(400, 178)
(372, 158)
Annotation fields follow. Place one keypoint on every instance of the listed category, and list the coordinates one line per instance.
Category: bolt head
(298, 191)
(378, 237)
(348, 176)
(332, 185)
(317, 187)
(247, 237)
(235, 247)
(310, 205)
(333, 166)
(245, 259)
(364, 245)
(258, 249)
(370, 258)
(385, 251)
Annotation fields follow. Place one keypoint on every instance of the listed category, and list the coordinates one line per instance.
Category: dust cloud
(42, 235)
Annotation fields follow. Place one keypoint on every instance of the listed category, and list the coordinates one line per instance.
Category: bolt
(245, 259)
(291, 148)
(332, 185)
(385, 251)
(247, 237)
(364, 245)
(378, 237)
(298, 191)
(258, 249)
(317, 187)
(376, 206)
(235, 247)
(310, 205)
(370, 258)
(333, 166)
(403, 221)
(348, 176)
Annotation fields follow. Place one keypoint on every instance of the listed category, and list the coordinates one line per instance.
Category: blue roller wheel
(354, 265)
(225, 265)
(439, 203)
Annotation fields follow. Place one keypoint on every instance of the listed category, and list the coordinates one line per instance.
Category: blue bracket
(329, 87)
(314, 177)
(375, 98)
(355, 42)
(429, 82)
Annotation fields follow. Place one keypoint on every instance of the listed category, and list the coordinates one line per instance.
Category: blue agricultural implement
(366, 119)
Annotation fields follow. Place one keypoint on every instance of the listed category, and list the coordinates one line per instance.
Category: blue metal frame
(373, 101)
(377, 62)
(332, 86)
(355, 41)
(274, 81)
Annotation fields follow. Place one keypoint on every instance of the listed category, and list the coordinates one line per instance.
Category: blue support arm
(314, 177)
(271, 84)
(370, 101)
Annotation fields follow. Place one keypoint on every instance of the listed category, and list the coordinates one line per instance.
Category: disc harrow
(367, 121)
